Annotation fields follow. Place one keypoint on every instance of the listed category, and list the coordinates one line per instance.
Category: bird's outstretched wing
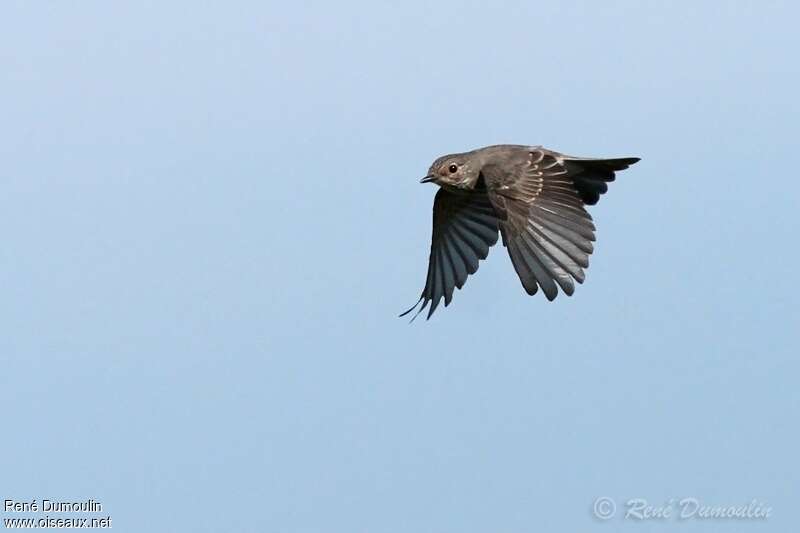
(465, 226)
(540, 197)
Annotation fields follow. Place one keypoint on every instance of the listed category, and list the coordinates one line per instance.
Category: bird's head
(456, 170)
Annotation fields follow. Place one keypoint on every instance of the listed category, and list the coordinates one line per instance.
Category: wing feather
(457, 260)
(537, 264)
(546, 228)
(465, 226)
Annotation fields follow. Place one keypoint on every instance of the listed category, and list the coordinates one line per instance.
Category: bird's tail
(591, 176)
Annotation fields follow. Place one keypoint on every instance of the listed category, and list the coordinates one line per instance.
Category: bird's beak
(427, 179)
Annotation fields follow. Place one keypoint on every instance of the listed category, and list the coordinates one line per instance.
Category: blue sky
(211, 217)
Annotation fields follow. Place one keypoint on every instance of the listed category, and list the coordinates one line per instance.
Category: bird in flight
(533, 197)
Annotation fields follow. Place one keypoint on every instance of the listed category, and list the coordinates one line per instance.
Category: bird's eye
(452, 169)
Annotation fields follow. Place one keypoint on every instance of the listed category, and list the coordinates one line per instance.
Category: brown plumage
(533, 197)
